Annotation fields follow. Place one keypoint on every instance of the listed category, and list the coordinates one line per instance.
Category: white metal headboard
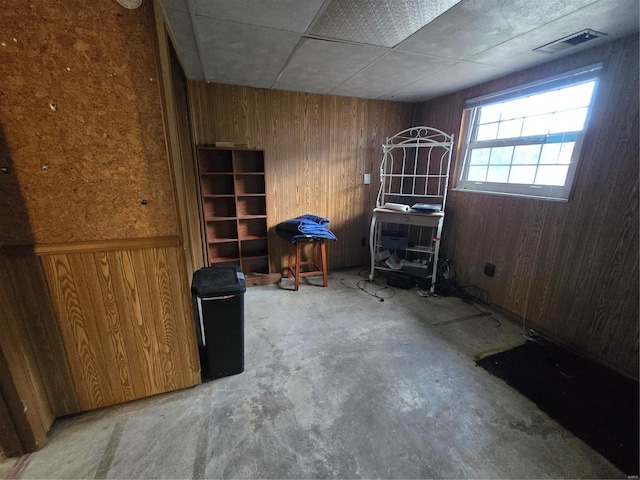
(415, 167)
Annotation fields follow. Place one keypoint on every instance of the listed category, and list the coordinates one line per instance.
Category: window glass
(529, 137)
(510, 129)
(526, 154)
(488, 131)
(490, 113)
(537, 125)
(480, 156)
(477, 173)
(522, 174)
(501, 155)
(550, 153)
(498, 173)
(568, 121)
(551, 175)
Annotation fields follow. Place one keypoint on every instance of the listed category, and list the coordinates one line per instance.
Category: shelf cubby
(248, 161)
(211, 160)
(254, 248)
(231, 263)
(221, 230)
(219, 208)
(223, 252)
(217, 184)
(255, 265)
(250, 206)
(250, 184)
(253, 228)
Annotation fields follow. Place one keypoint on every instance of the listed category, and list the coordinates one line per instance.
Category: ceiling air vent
(570, 41)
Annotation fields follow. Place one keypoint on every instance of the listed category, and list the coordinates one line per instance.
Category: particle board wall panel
(103, 147)
(570, 269)
(125, 322)
(317, 148)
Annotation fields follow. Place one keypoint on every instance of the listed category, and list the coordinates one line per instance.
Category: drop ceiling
(402, 50)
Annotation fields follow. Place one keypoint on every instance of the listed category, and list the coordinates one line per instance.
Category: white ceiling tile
(243, 54)
(175, 5)
(473, 26)
(291, 15)
(619, 16)
(383, 22)
(450, 79)
(185, 43)
(391, 72)
(259, 43)
(319, 66)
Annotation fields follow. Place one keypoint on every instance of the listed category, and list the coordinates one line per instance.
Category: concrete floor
(336, 384)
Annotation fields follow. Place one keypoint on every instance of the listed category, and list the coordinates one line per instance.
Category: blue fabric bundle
(305, 226)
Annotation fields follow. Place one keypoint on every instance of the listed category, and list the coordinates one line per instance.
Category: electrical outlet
(489, 269)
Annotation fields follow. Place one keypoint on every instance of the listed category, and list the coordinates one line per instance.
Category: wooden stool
(318, 263)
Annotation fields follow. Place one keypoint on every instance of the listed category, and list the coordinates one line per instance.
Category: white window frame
(472, 113)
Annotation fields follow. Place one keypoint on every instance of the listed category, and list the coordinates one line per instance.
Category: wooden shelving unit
(234, 208)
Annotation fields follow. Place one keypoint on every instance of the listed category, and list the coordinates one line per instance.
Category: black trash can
(217, 294)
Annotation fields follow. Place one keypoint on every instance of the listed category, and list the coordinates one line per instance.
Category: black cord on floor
(364, 273)
(361, 285)
(449, 287)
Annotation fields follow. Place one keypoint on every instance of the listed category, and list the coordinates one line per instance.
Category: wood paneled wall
(16, 434)
(116, 326)
(125, 318)
(569, 269)
(32, 349)
(173, 85)
(317, 148)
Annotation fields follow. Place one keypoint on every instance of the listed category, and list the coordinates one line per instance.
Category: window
(526, 140)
